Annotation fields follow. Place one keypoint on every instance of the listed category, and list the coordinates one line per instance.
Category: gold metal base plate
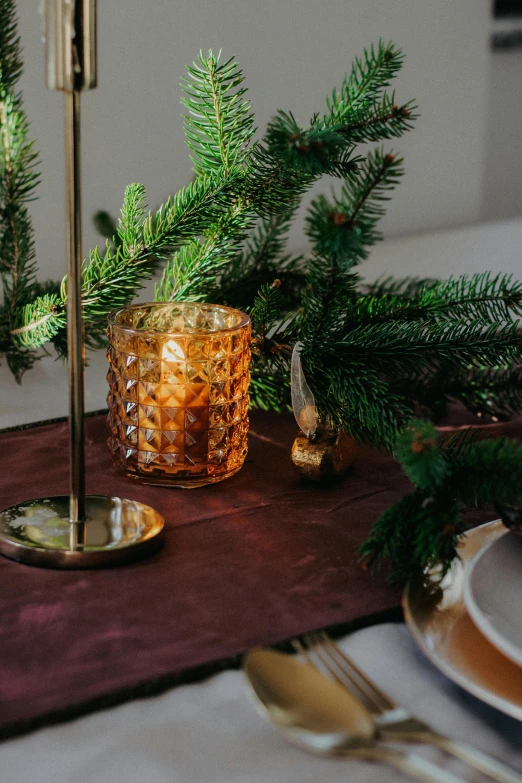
(116, 531)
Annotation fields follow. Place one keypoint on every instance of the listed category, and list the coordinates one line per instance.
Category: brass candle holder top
(70, 44)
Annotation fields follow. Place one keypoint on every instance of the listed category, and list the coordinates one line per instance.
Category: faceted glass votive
(178, 398)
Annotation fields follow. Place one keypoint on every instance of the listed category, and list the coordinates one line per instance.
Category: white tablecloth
(211, 733)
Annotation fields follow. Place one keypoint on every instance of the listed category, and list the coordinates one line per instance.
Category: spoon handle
(412, 765)
(476, 758)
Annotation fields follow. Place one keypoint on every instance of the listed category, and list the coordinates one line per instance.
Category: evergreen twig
(18, 179)
(372, 353)
(421, 532)
(222, 238)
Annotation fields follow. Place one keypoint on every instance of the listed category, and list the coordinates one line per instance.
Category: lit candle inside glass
(190, 391)
(172, 352)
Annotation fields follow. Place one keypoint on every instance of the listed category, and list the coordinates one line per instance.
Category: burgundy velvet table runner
(256, 559)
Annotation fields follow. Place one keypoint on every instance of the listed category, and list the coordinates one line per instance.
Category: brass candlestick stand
(78, 531)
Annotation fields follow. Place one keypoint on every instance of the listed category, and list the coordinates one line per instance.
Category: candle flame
(172, 352)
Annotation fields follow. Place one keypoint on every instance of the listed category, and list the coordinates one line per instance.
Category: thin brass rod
(75, 341)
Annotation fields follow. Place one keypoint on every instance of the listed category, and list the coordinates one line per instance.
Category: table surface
(136, 740)
(252, 560)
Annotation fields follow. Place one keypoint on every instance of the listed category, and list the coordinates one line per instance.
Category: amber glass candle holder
(178, 398)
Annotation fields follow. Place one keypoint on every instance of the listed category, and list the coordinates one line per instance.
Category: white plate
(440, 624)
(493, 594)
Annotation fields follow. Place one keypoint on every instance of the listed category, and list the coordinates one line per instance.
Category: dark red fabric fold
(250, 561)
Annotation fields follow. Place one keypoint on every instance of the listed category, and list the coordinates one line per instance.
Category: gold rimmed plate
(440, 624)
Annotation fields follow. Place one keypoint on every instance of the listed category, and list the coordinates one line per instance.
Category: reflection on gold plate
(438, 619)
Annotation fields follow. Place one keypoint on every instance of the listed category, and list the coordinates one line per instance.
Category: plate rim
(511, 708)
(480, 619)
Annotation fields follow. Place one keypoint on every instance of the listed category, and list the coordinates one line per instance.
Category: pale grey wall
(293, 52)
(503, 175)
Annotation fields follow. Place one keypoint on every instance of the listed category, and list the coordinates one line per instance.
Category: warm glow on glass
(178, 400)
(172, 352)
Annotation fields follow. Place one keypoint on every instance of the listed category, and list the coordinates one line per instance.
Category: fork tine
(305, 649)
(301, 649)
(347, 678)
(330, 665)
(309, 654)
(348, 667)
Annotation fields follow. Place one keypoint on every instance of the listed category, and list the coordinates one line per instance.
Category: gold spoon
(320, 715)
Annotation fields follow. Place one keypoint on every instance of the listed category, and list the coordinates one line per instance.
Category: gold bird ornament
(319, 453)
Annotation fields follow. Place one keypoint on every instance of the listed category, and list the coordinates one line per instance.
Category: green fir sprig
(262, 257)
(372, 354)
(220, 122)
(18, 179)
(222, 236)
(421, 532)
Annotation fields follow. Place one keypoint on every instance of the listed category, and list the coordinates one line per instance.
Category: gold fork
(393, 723)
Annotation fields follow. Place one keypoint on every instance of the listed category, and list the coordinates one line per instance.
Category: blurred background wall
(293, 52)
(503, 164)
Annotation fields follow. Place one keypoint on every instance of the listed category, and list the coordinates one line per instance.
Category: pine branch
(347, 225)
(416, 535)
(40, 321)
(266, 310)
(111, 280)
(18, 180)
(363, 197)
(403, 288)
(375, 122)
(424, 462)
(271, 186)
(419, 534)
(488, 473)
(273, 331)
(267, 242)
(353, 379)
(492, 392)
(220, 123)
(262, 259)
(492, 298)
(330, 289)
(11, 64)
(489, 298)
(313, 152)
(415, 346)
(193, 269)
(340, 233)
(269, 389)
(273, 338)
(280, 168)
(369, 76)
(352, 396)
(289, 159)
